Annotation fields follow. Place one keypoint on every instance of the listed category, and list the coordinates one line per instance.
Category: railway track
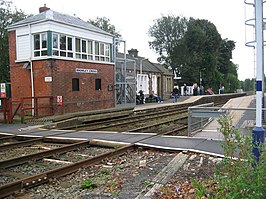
(15, 185)
(38, 168)
(14, 167)
(141, 121)
(135, 117)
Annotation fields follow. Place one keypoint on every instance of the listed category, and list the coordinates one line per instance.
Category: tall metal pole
(258, 131)
(125, 72)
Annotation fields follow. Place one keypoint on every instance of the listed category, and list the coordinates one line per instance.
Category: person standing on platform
(175, 94)
(222, 90)
(195, 89)
(201, 90)
(141, 96)
(185, 90)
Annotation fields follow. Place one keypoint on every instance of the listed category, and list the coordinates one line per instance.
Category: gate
(33, 107)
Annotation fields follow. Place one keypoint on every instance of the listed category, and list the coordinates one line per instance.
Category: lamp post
(258, 131)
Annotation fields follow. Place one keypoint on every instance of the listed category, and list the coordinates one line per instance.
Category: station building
(58, 55)
(61, 56)
(151, 77)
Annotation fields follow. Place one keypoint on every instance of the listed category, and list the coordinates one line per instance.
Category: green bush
(89, 184)
(238, 177)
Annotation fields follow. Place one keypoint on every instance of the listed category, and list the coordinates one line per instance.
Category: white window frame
(67, 52)
(41, 49)
(104, 51)
(90, 54)
(87, 48)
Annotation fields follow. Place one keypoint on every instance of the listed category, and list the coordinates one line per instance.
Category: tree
(193, 48)
(104, 24)
(248, 84)
(225, 55)
(200, 44)
(8, 15)
(166, 33)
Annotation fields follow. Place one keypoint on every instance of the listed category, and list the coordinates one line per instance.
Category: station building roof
(50, 15)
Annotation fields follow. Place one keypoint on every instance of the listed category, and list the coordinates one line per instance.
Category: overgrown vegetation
(103, 179)
(236, 177)
(89, 184)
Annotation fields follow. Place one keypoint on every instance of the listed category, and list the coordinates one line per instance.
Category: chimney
(43, 9)
(133, 52)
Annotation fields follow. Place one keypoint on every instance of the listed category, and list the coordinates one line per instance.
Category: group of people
(141, 100)
(197, 90)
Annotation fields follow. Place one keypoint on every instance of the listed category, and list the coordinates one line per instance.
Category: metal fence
(206, 117)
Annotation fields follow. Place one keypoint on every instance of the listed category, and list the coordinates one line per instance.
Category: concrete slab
(48, 132)
(18, 128)
(129, 138)
(200, 145)
(88, 135)
(212, 147)
(172, 142)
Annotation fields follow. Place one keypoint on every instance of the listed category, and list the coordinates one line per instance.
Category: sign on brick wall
(48, 79)
(3, 90)
(59, 100)
(83, 70)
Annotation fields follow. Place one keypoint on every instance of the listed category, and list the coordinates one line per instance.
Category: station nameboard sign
(83, 70)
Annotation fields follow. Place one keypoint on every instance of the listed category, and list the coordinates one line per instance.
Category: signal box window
(98, 84)
(75, 84)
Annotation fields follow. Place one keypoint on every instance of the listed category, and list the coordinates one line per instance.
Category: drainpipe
(31, 72)
(140, 65)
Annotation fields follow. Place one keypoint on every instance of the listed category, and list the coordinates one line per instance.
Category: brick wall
(20, 78)
(62, 72)
(87, 98)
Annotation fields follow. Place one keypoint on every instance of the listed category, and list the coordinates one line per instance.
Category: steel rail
(40, 155)
(36, 180)
(139, 115)
(158, 124)
(143, 113)
(6, 137)
(20, 144)
(13, 187)
(143, 118)
(10, 188)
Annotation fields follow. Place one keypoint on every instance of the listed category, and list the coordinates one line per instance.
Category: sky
(134, 18)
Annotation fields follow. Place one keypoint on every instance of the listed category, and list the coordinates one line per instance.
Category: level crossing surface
(207, 141)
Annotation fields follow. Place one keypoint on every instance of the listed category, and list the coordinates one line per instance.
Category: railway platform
(207, 141)
(169, 102)
(242, 119)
